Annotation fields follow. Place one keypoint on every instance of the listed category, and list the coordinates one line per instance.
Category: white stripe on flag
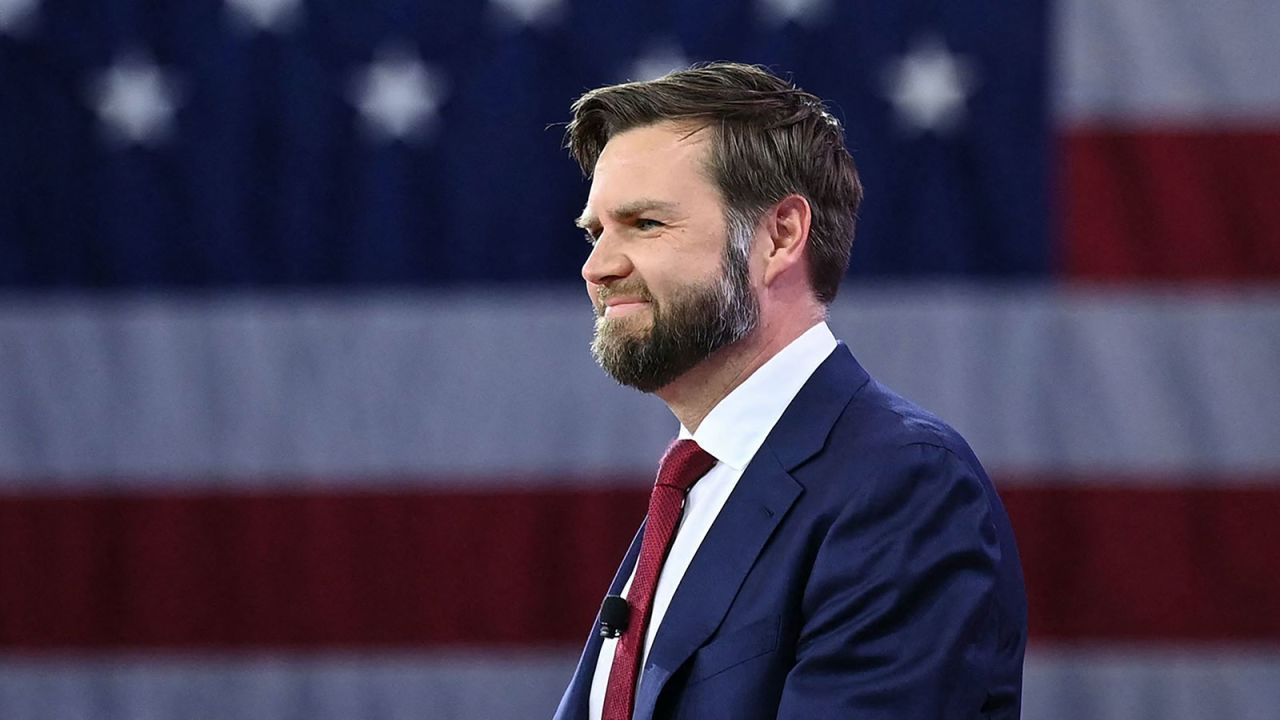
(1171, 684)
(324, 687)
(275, 390)
(1161, 62)
(1059, 685)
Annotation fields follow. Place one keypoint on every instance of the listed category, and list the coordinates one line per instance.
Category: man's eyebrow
(642, 206)
(628, 210)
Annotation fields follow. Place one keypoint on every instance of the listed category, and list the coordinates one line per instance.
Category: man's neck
(693, 395)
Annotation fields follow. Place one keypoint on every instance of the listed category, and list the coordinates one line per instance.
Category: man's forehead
(662, 137)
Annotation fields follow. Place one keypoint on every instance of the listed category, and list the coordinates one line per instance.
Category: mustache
(636, 289)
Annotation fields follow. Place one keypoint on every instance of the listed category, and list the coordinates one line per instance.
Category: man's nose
(606, 263)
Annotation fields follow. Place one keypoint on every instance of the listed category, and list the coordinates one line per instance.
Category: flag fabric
(297, 418)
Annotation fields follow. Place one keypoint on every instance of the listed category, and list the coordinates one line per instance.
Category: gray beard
(687, 328)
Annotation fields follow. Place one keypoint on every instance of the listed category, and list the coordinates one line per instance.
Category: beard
(696, 321)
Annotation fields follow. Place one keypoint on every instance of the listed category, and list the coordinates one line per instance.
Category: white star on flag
(397, 95)
(801, 12)
(527, 13)
(929, 87)
(17, 16)
(264, 15)
(658, 60)
(136, 100)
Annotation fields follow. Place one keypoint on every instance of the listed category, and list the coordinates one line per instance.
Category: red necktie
(682, 465)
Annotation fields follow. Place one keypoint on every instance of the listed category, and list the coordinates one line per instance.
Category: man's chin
(632, 326)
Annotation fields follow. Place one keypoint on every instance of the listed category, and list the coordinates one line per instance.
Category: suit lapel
(574, 704)
(763, 495)
(761, 499)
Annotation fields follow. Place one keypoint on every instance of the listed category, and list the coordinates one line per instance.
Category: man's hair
(771, 139)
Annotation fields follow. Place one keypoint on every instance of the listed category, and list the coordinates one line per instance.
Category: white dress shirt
(732, 433)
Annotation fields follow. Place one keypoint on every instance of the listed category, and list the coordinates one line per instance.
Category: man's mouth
(618, 308)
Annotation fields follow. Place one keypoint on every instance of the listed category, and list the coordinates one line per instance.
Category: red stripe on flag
(1150, 564)
(507, 567)
(293, 570)
(1171, 205)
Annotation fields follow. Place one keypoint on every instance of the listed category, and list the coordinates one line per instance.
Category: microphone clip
(615, 613)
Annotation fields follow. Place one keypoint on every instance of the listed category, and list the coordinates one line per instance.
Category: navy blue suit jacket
(863, 568)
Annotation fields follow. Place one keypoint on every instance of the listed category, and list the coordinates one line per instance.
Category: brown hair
(771, 139)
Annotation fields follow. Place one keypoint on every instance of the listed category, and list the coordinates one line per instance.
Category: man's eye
(647, 224)
(591, 239)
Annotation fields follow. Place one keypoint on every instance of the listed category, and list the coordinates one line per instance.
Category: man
(816, 546)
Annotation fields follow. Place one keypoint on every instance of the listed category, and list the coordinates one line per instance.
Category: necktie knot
(682, 465)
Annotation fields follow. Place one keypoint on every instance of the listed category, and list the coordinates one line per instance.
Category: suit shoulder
(881, 446)
(877, 417)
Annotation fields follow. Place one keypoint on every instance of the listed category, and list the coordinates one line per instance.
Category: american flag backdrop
(297, 418)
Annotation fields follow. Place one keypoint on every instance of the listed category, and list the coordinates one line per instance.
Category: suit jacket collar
(738, 425)
(803, 429)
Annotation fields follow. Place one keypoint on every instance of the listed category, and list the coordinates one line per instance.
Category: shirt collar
(736, 427)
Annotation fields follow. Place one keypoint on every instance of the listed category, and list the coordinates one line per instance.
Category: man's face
(669, 285)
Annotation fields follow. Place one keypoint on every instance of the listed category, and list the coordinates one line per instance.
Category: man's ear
(788, 227)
